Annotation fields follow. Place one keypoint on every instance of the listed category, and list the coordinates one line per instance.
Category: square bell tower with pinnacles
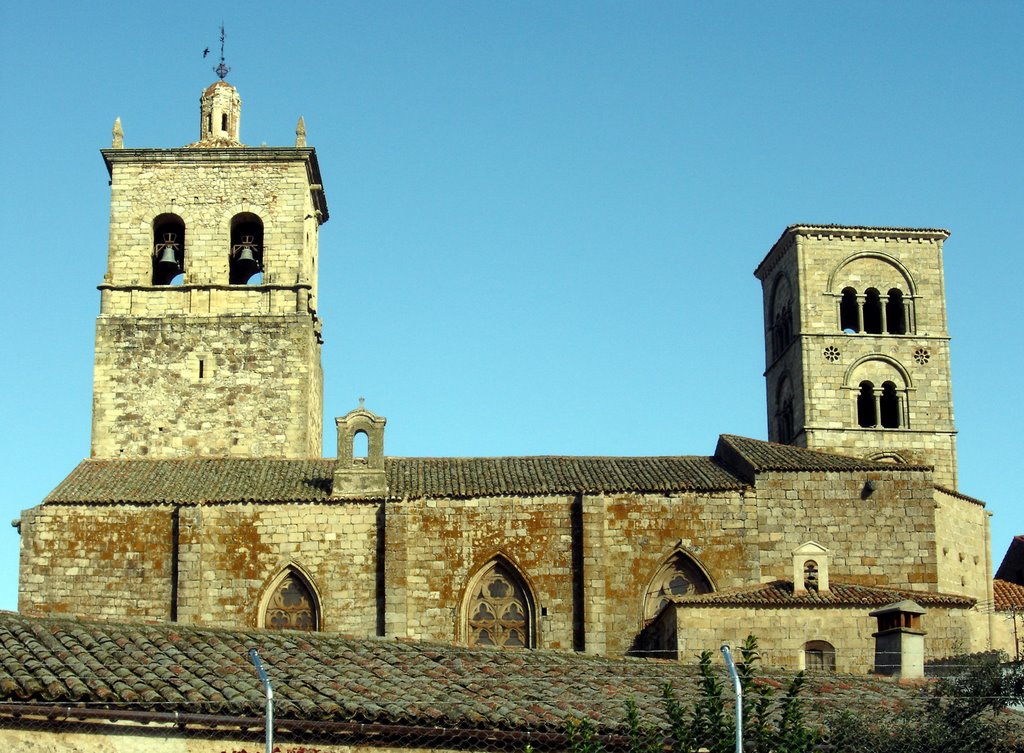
(208, 340)
(856, 344)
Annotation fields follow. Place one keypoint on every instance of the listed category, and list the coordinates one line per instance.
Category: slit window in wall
(168, 250)
(202, 368)
(866, 406)
(872, 312)
(224, 123)
(246, 256)
(889, 406)
(849, 312)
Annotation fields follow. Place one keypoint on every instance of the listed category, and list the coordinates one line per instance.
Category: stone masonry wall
(226, 386)
(630, 536)
(206, 367)
(782, 633)
(109, 562)
(434, 547)
(230, 554)
(885, 539)
(206, 189)
(962, 551)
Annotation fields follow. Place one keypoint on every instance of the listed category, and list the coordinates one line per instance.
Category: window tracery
(499, 609)
(292, 606)
(679, 576)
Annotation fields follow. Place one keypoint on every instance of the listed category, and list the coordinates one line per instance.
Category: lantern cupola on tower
(220, 110)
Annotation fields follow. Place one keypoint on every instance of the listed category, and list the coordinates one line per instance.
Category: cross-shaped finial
(222, 70)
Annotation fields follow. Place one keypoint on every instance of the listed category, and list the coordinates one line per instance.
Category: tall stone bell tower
(208, 341)
(856, 344)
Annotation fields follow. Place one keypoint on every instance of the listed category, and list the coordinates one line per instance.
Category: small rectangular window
(202, 369)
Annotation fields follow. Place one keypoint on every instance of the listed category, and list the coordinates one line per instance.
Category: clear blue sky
(544, 215)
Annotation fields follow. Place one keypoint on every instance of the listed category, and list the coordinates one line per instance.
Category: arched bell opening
(866, 416)
(896, 313)
(168, 250)
(246, 258)
(872, 312)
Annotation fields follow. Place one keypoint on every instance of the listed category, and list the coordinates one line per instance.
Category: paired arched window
(879, 408)
(679, 576)
(785, 423)
(168, 249)
(781, 315)
(872, 313)
(819, 656)
(245, 263)
(292, 604)
(499, 608)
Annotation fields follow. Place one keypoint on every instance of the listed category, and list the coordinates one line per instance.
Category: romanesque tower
(856, 345)
(208, 341)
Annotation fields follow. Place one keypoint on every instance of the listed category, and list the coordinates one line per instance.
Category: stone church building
(205, 500)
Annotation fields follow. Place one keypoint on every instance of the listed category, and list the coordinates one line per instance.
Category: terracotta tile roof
(960, 495)
(779, 593)
(45, 662)
(194, 480)
(750, 456)
(1008, 596)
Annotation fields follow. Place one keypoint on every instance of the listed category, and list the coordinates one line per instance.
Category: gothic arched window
(499, 610)
(292, 605)
(679, 576)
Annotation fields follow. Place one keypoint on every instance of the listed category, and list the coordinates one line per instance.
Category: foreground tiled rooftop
(169, 668)
(779, 593)
(198, 480)
(1008, 596)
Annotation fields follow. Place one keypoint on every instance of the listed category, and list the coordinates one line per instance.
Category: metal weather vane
(221, 70)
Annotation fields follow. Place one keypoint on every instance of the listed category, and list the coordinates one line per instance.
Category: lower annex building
(189, 512)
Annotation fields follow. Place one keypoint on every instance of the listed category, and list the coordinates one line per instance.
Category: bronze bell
(167, 258)
(246, 264)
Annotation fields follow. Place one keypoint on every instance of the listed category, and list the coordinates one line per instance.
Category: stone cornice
(844, 231)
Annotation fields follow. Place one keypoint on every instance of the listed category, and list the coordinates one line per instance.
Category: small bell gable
(360, 474)
(810, 568)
